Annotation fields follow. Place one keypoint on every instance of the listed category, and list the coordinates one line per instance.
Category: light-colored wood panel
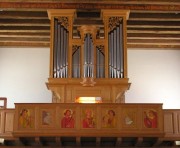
(168, 123)
(9, 122)
(178, 124)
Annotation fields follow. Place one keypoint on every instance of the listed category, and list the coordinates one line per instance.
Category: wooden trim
(106, 5)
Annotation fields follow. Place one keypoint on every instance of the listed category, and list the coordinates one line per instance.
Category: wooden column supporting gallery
(88, 65)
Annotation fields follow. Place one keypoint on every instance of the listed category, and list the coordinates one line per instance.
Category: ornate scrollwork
(64, 21)
(113, 22)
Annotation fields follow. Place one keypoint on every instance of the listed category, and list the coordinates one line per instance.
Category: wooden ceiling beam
(153, 46)
(153, 24)
(154, 31)
(156, 16)
(22, 39)
(25, 34)
(24, 28)
(153, 36)
(24, 44)
(24, 22)
(25, 14)
(154, 41)
(129, 45)
(134, 5)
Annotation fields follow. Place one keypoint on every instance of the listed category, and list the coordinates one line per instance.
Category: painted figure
(109, 120)
(25, 119)
(68, 120)
(88, 121)
(150, 119)
(46, 118)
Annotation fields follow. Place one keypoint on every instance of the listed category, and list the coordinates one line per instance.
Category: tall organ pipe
(121, 51)
(109, 47)
(116, 55)
(58, 61)
(60, 56)
(88, 56)
(55, 48)
(76, 63)
(100, 63)
(66, 55)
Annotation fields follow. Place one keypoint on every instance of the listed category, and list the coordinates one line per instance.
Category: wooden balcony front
(79, 125)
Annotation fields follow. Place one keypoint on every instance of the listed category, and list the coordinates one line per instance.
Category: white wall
(154, 74)
(23, 73)
(155, 77)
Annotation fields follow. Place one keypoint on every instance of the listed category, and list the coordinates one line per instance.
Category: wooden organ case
(88, 65)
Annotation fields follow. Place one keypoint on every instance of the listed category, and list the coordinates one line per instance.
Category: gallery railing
(75, 119)
(120, 120)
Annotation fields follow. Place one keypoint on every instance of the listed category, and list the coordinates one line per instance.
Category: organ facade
(91, 64)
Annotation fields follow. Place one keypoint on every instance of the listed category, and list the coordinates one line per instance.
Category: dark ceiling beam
(163, 16)
(154, 25)
(154, 41)
(25, 14)
(171, 6)
(24, 44)
(25, 34)
(24, 22)
(153, 46)
(153, 36)
(22, 39)
(24, 28)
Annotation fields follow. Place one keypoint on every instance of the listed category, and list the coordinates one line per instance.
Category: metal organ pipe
(100, 63)
(121, 51)
(60, 59)
(116, 55)
(55, 48)
(88, 56)
(76, 63)
(66, 55)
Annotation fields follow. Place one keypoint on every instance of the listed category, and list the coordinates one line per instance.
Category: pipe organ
(80, 66)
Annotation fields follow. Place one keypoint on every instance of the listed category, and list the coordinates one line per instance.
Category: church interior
(88, 73)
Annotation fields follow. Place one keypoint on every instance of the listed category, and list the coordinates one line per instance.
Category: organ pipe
(88, 56)
(116, 54)
(121, 52)
(60, 61)
(55, 48)
(76, 62)
(100, 62)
